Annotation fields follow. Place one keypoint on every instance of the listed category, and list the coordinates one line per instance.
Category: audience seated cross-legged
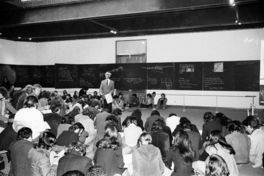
(179, 127)
(155, 115)
(218, 145)
(147, 159)
(109, 153)
(172, 121)
(148, 102)
(131, 133)
(19, 152)
(182, 155)
(74, 159)
(72, 135)
(252, 126)
(134, 102)
(194, 137)
(216, 165)
(160, 139)
(53, 118)
(39, 156)
(239, 141)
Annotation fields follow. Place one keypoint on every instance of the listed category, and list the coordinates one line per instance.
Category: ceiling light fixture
(29, 39)
(113, 31)
(19, 37)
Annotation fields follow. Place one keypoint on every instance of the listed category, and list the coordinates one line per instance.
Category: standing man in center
(107, 87)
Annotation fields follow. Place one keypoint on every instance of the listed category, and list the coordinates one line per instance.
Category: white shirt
(132, 133)
(31, 118)
(172, 122)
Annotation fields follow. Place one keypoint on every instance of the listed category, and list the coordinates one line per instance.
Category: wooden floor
(195, 114)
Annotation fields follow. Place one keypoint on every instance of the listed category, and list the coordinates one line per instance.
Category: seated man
(134, 101)
(162, 102)
(148, 102)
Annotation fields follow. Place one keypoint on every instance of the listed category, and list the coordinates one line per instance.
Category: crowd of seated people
(64, 135)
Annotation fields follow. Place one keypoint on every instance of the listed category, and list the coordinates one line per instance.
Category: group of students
(55, 135)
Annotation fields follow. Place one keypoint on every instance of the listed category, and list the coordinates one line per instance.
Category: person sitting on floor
(74, 159)
(146, 159)
(116, 103)
(134, 102)
(148, 102)
(252, 126)
(239, 141)
(216, 165)
(162, 102)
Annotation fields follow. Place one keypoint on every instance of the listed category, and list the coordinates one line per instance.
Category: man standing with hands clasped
(106, 89)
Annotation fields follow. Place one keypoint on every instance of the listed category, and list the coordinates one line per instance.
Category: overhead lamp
(29, 39)
(238, 22)
(19, 37)
(113, 31)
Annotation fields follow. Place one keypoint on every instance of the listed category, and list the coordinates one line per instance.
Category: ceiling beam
(105, 8)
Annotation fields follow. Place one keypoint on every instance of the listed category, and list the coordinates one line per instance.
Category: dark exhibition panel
(220, 76)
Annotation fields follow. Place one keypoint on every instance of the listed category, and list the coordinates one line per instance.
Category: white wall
(236, 45)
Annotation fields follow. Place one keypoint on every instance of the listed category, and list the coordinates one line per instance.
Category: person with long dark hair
(39, 156)
(182, 155)
(218, 145)
(216, 166)
(109, 152)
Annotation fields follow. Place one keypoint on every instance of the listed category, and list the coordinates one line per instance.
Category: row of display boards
(219, 76)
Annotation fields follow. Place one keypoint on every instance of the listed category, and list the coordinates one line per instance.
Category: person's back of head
(77, 127)
(94, 104)
(172, 115)
(24, 133)
(73, 173)
(55, 105)
(111, 118)
(87, 112)
(46, 141)
(131, 120)
(216, 166)
(96, 171)
(157, 125)
(137, 113)
(117, 112)
(186, 125)
(252, 121)
(78, 147)
(208, 116)
(235, 126)
(155, 112)
(31, 101)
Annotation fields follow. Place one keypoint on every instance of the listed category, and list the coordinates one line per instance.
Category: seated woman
(182, 155)
(39, 156)
(239, 141)
(160, 139)
(134, 101)
(218, 145)
(146, 159)
(109, 153)
(216, 165)
(162, 102)
(148, 102)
